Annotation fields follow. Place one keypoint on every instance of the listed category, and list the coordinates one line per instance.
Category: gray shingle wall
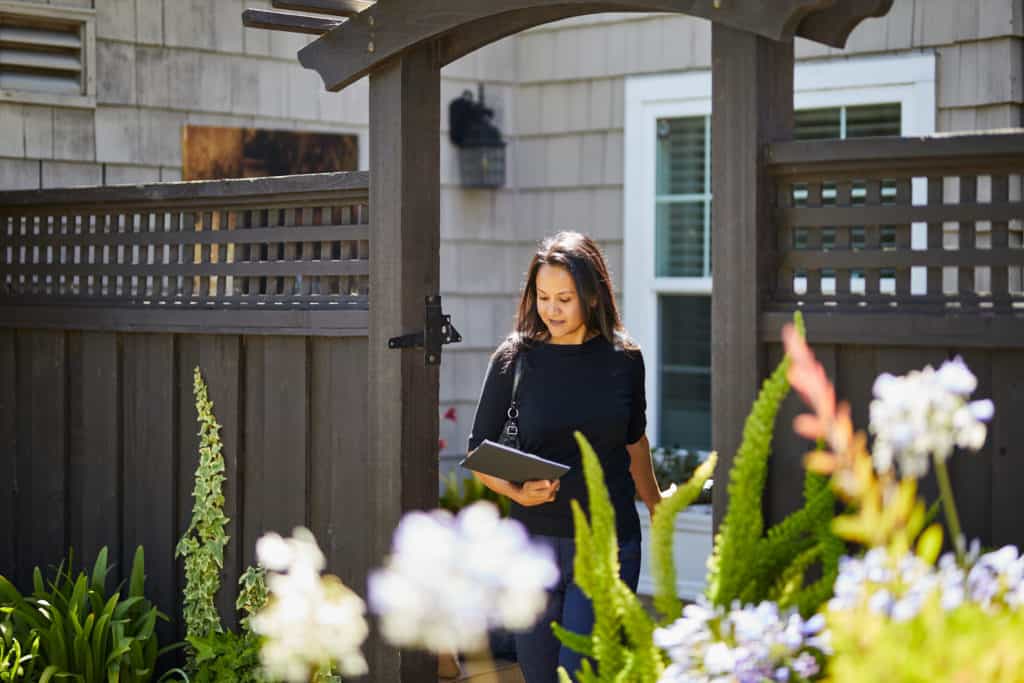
(162, 64)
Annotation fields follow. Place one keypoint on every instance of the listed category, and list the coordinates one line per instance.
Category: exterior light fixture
(481, 149)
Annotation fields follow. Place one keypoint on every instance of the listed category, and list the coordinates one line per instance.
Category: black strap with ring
(510, 432)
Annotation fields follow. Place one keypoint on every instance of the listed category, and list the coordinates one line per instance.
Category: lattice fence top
(299, 242)
(900, 225)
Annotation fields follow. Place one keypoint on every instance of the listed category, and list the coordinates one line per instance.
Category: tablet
(510, 464)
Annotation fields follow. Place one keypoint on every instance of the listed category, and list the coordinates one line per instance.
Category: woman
(581, 372)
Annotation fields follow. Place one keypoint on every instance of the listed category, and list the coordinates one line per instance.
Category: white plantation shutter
(872, 120)
(859, 121)
(683, 197)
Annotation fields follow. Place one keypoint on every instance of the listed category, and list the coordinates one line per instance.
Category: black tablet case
(510, 464)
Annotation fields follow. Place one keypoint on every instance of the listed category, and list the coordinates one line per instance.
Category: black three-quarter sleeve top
(593, 387)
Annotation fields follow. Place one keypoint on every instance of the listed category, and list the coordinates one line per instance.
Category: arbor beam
(367, 40)
(341, 8)
(290, 23)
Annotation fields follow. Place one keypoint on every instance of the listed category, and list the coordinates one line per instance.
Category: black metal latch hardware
(439, 331)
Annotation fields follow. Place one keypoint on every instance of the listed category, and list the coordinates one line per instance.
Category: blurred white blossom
(310, 621)
(752, 643)
(450, 579)
(926, 412)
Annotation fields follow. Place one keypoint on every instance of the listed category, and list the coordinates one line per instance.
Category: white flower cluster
(450, 579)
(748, 644)
(926, 413)
(898, 587)
(310, 621)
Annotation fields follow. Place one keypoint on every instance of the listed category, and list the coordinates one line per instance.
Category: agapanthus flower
(310, 621)
(751, 644)
(998, 577)
(451, 579)
(898, 588)
(926, 414)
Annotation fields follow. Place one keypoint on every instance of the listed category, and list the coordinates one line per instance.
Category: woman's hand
(537, 492)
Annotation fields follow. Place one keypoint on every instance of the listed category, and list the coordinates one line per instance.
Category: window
(683, 197)
(667, 283)
(47, 55)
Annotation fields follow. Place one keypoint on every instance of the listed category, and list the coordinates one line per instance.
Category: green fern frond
(791, 579)
(577, 642)
(788, 539)
(813, 483)
(662, 527)
(744, 520)
(622, 636)
(747, 564)
(816, 594)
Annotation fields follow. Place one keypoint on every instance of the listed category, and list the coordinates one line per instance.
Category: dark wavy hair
(578, 254)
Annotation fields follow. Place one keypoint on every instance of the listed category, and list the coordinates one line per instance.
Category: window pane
(685, 346)
(874, 119)
(680, 239)
(816, 124)
(681, 156)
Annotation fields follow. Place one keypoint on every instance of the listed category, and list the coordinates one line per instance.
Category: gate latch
(439, 331)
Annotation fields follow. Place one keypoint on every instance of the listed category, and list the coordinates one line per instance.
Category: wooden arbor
(402, 45)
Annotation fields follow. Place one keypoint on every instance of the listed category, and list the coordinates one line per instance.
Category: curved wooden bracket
(352, 50)
(833, 25)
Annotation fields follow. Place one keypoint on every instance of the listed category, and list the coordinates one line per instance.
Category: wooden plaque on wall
(214, 152)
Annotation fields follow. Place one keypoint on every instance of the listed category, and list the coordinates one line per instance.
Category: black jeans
(539, 652)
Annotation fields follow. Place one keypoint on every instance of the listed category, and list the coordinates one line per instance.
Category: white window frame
(87, 18)
(908, 79)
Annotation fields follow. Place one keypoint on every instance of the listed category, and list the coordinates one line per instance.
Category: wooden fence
(903, 252)
(109, 297)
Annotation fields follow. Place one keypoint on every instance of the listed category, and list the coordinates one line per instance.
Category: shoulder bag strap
(518, 376)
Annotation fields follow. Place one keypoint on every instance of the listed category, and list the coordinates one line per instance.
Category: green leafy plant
(203, 543)
(458, 494)
(82, 632)
(215, 653)
(16, 663)
(621, 643)
(662, 529)
(969, 643)
(226, 656)
(252, 595)
(750, 565)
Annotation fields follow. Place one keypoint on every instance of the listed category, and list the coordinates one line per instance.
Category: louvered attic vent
(41, 54)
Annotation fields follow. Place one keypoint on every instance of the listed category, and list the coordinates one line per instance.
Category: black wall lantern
(481, 149)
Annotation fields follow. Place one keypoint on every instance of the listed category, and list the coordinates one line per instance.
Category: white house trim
(908, 79)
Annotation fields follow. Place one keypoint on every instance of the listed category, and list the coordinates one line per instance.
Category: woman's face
(558, 305)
